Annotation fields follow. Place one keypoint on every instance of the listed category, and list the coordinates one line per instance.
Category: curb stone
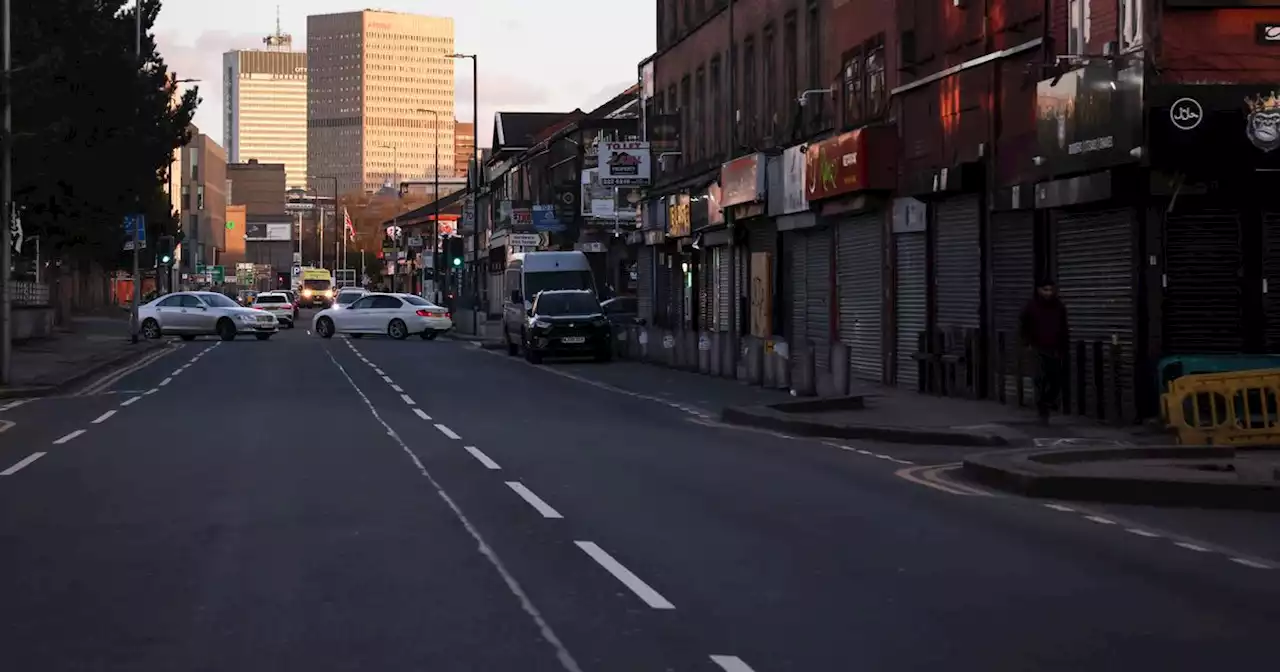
(766, 418)
(80, 377)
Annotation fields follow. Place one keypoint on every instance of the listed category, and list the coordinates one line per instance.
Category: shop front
(674, 307)
(651, 245)
(744, 195)
(847, 177)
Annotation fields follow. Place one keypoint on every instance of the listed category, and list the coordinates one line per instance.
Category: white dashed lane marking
(731, 664)
(1250, 563)
(447, 432)
(484, 459)
(1142, 533)
(387, 380)
(642, 590)
(166, 381)
(103, 418)
(69, 437)
(421, 414)
(22, 464)
(535, 501)
(1191, 547)
(13, 404)
(130, 400)
(397, 388)
(151, 391)
(408, 399)
(1100, 520)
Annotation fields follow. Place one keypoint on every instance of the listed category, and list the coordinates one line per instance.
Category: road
(313, 505)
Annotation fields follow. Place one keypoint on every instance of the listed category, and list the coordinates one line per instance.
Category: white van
(531, 272)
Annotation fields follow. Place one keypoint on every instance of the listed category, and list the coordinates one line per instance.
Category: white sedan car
(396, 315)
(191, 314)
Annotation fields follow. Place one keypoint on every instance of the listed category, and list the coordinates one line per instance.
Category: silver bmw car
(192, 314)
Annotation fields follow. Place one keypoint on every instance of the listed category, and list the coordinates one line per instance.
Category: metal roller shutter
(645, 290)
(797, 251)
(1202, 300)
(858, 271)
(957, 275)
(762, 237)
(911, 303)
(706, 274)
(818, 294)
(1271, 279)
(1095, 279)
(1012, 284)
(722, 288)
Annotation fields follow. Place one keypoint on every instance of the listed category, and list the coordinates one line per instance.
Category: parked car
(347, 296)
(567, 322)
(277, 303)
(528, 273)
(396, 315)
(192, 314)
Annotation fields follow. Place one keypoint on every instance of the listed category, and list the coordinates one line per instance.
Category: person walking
(1045, 332)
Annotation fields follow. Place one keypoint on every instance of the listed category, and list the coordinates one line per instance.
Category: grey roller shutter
(911, 303)
(1095, 279)
(644, 283)
(797, 251)
(957, 263)
(762, 237)
(858, 271)
(1012, 284)
(818, 294)
(1203, 306)
(722, 288)
(705, 283)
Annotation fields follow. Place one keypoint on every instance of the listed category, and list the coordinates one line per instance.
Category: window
(189, 301)
(567, 303)
(171, 302)
(813, 38)
(385, 302)
(218, 301)
(1077, 30)
(270, 298)
(199, 197)
(768, 86)
(659, 103)
(686, 86)
(790, 68)
(750, 95)
(851, 89)
(717, 108)
(700, 112)
(673, 103)
(1130, 24)
(364, 303)
(417, 301)
(877, 94)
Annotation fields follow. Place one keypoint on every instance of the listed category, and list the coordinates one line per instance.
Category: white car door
(385, 309)
(354, 317)
(169, 315)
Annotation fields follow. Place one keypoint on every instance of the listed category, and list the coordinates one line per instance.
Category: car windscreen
(346, 298)
(417, 301)
(320, 285)
(567, 304)
(271, 298)
(218, 301)
(545, 280)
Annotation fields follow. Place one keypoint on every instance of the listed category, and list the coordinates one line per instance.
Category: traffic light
(453, 248)
(164, 250)
(457, 261)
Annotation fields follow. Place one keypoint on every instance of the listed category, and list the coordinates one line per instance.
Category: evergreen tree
(94, 125)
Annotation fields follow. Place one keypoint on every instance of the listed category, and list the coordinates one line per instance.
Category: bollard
(703, 350)
(669, 351)
(804, 372)
(714, 360)
(840, 369)
(642, 343)
(753, 361)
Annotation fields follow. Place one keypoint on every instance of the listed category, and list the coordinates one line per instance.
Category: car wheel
(263, 337)
(325, 327)
(356, 335)
(226, 329)
(429, 335)
(188, 337)
(150, 329)
(397, 330)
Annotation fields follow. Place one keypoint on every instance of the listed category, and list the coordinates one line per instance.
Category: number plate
(574, 339)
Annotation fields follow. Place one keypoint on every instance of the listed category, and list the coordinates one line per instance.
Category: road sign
(218, 274)
(128, 245)
(136, 223)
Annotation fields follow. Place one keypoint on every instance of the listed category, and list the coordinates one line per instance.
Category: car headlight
(248, 318)
(541, 324)
(328, 294)
(306, 293)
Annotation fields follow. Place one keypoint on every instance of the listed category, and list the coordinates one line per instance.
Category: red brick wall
(1217, 46)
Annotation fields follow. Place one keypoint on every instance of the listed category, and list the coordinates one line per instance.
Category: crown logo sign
(1259, 104)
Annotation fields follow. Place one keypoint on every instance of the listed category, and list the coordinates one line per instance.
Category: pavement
(89, 345)
(308, 504)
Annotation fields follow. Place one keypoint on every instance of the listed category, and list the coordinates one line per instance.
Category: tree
(369, 211)
(94, 125)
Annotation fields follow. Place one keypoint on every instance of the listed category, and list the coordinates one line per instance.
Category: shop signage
(1238, 128)
(1186, 114)
(835, 166)
(624, 164)
(546, 219)
(664, 133)
(566, 196)
(1263, 121)
(714, 202)
(521, 217)
(524, 239)
(653, 237)
(264, 231)
(1268, 34)
(1089, 118)
(742, 180)
(678, 216)
(793, 180)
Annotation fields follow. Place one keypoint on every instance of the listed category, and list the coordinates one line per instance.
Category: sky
(534, 56)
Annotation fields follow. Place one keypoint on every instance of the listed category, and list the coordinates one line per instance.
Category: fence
(1232, 409)
(1094, 379)
(28, 293)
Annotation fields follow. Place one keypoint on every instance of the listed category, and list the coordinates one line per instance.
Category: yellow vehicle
(316, 288)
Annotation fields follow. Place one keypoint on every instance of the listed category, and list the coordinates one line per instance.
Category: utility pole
(6, 204)
(437, 277)
(474, 188)
(134, 224)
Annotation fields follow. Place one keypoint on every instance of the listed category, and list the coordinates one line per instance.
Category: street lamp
(435, 192)
(475, 225)
(169, 193)
(337, 243)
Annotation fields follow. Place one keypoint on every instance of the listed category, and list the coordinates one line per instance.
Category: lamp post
(435, 196)
(475, 187)
(320, 206)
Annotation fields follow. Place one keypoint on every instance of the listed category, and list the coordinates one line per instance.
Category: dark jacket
(1043, 325)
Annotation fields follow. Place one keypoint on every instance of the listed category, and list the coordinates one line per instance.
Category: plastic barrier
(1224, 409)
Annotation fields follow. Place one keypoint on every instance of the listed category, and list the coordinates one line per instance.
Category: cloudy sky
(531, 58)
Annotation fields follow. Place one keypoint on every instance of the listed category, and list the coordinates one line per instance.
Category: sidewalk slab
(1156, 475)
(58, 365)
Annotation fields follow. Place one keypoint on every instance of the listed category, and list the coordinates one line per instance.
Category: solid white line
(731, 664)
(408, 399)
(68, 437)
(18, 467)
(102, 418)
(166, 381)
(151, 391)
(1250, 563)
(448, 432)
(535, 501)
(1060, 507)
(12, 405)
(544, 628)
(1100, 520)
(642, 590)
(1190, 546)
(484, 459)
(422, 414)
(130, 400)
(1142, 533)
(397, 388)
(387, 380)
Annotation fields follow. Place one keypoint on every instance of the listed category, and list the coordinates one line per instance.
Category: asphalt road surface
(311, 505)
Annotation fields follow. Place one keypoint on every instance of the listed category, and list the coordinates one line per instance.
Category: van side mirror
(515, 296)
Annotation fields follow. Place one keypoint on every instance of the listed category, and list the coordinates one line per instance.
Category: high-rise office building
(464, 146)
(264, 115)
(379, 99)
